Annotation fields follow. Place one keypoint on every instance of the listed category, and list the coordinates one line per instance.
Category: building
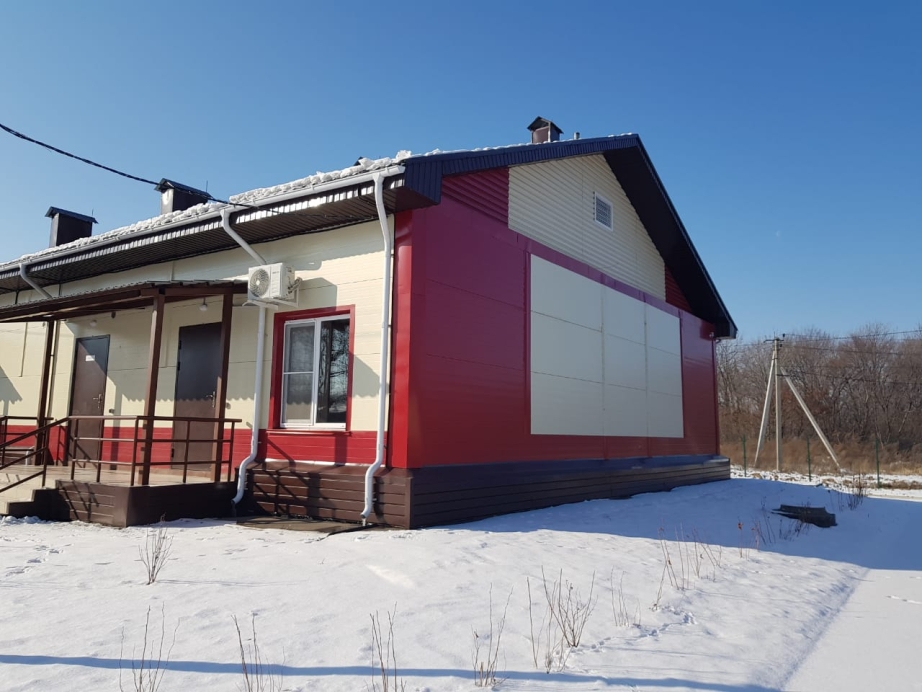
(415, 341)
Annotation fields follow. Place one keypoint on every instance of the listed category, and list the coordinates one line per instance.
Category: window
(315, 373)
(603, 211)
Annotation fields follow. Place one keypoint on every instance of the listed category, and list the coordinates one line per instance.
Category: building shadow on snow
(880, 533)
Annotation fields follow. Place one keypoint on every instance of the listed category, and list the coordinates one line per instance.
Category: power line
(848, 378)
(835, 349)
(89, 162)
(800, 337)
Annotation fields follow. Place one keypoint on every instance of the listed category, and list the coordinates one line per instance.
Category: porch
(123, 470)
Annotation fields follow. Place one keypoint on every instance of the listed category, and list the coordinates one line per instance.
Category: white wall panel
(621, 378)
(663, 331)
(625, 412)
(664, 415)
(625, 363)
(623, 316)
(561, 406)
(565, 349)
(664, 372)
(563, 294)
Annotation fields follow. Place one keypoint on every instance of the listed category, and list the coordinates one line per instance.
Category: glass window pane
(333, 367)
(300, 346)
(299, 390)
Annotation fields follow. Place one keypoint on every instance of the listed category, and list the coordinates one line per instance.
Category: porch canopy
(153, 294)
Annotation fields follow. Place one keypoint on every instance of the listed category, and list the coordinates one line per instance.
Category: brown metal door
(198, 366)
(88, 395)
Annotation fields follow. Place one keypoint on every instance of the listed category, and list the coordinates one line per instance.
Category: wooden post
(41, 439)
(153, 374)
(220, 401)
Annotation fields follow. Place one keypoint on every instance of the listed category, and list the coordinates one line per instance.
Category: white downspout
(28, 279)
(225, 224)
(257, 405)
(385, 342)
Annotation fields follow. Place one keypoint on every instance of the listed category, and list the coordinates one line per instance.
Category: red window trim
(278, 354)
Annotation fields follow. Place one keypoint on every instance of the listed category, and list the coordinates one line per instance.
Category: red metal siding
(674, 295)
(460, 364)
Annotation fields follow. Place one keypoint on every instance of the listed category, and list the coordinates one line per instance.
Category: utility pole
(776, 347)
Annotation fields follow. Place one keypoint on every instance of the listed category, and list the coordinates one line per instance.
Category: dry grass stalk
(384, 655)
(257, 675)
(485, 666)
(147, 672)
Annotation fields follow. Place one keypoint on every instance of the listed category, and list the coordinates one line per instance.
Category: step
(21, 493)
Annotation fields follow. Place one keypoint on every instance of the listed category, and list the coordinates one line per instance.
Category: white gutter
(385, 342)
(225, 224)
(24, 275)
(257, 405)
(244, 206)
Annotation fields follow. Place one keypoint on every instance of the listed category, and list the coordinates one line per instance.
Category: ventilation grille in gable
(603, 211)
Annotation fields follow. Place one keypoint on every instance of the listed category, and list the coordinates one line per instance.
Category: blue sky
(787, 133)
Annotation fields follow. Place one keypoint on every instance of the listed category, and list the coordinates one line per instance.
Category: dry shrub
(568, 608)
(155, 551)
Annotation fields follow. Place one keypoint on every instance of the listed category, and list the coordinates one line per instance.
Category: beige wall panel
(565, 349)
(553, 203)
(664, 372)
(337, 268)
(623, 315)
(560, 293)
(663, 331)
(12, 345)
(562, 406)
(625, 412)
(664, 415)
(625, 363)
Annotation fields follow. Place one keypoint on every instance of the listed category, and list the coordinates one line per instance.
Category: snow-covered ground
(762, 607)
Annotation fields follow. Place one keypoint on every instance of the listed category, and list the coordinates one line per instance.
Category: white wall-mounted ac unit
(271, 283)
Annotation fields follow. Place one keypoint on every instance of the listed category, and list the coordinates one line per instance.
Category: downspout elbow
(226, 225)
(24, 275)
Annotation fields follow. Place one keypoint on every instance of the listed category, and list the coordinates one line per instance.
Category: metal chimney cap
(54, 211)
(540, 122)
(167, 184)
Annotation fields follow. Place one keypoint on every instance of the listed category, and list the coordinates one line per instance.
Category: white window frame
(312, 424)
(595, 217)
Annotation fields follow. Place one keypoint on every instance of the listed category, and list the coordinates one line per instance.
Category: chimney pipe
(544, 130)
(178, 197)
(68, 226)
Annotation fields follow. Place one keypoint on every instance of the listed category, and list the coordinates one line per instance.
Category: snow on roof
(251, 197)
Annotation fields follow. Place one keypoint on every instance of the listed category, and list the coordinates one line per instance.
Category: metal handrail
(221, 440)
(39, 449)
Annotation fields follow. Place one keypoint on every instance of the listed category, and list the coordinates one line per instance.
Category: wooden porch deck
(113, 501)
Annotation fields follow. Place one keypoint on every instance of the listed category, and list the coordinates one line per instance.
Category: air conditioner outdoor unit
(271, 283)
